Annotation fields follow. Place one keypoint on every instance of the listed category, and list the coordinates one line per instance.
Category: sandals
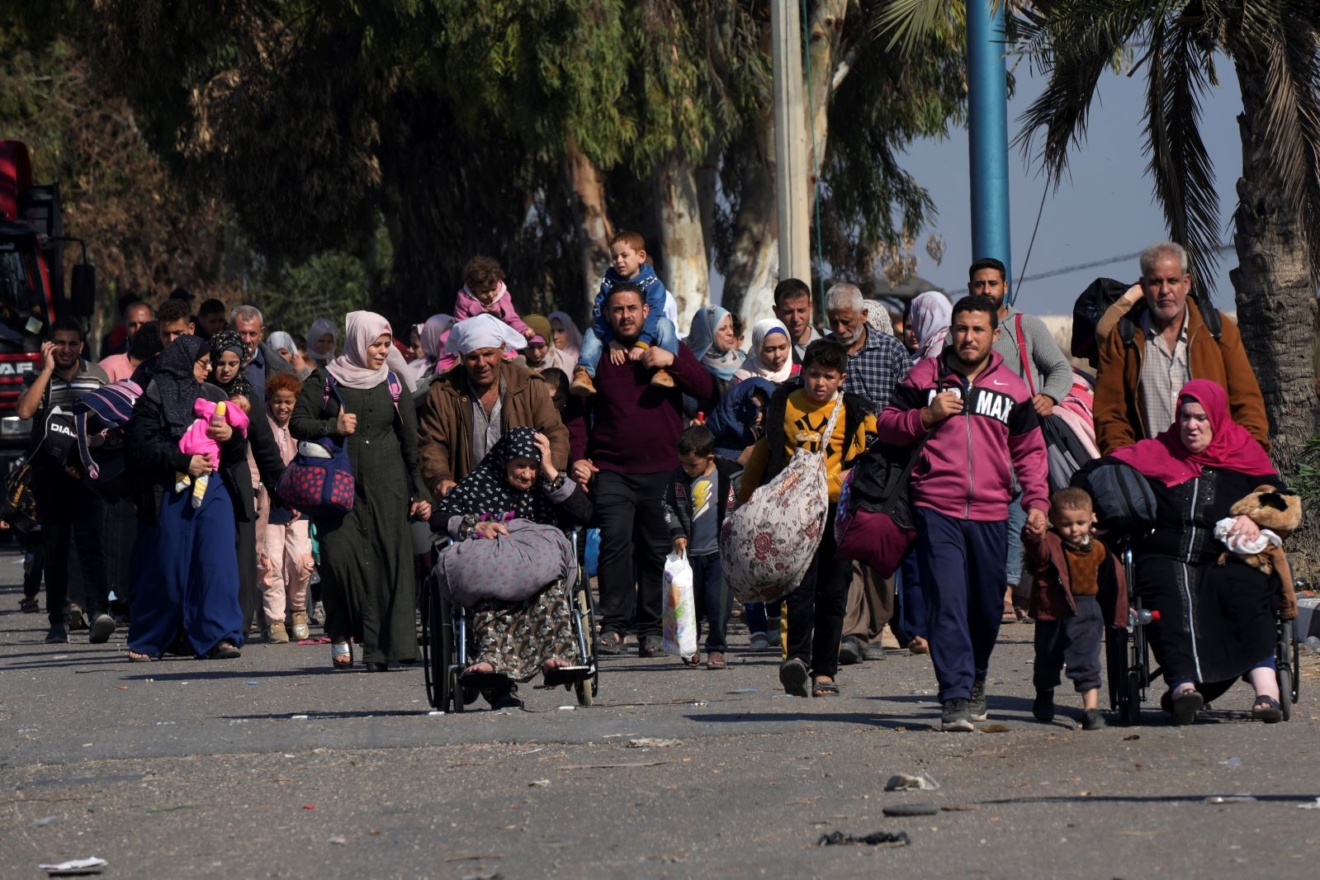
(692, 662)
(716, 660)
(919, 645)
(139, 657)
(1186, 707)
(1267, 709)
(224, 651)
(610, 643)
(824, 688)
(29, 606)
(341, 655)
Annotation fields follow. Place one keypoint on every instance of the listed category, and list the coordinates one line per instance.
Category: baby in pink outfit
(195, 442)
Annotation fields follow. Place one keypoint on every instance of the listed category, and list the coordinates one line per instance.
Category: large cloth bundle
(768, 543)
(507, 568)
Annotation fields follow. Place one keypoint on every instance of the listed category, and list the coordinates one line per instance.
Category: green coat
(366, 569)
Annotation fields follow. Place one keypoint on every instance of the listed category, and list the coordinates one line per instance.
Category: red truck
(31, 285)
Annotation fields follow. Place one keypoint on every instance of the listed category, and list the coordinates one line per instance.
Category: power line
(1054, 273)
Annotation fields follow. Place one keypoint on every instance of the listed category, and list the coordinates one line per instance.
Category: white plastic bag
(680, 615)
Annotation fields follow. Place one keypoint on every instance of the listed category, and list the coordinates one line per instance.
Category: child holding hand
(1071, 571)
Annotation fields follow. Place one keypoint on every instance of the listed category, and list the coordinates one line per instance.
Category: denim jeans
(593, 346)
(714, 600)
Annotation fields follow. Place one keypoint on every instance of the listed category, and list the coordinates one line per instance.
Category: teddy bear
(1279, 511)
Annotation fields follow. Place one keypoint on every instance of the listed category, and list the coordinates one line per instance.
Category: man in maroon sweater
(624, 447)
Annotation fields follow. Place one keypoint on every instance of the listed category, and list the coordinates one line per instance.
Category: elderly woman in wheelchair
(1212, 567)
(511, 641)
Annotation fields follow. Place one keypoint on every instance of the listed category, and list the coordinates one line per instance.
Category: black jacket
(678, 514)
(154, 457)
(855, 410)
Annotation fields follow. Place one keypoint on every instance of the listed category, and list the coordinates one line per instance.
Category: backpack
(99, 418)
(1121, 497)
(1088, 309)
(874, 521)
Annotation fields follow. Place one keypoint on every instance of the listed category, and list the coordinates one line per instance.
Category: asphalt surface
(274, 765)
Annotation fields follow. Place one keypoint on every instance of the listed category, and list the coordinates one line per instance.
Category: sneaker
(57, 635)
(955, 717)
(976, 704)
(873, 652)
(759, 642)
(850, 651)
(662, 379)
(103, 626)
(29, 606)
(277, 634)
(300, 629)
(582, 385)
(1043, 706)
(1092, 720)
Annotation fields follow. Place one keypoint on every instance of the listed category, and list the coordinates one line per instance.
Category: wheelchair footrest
(562, 675)
(480, 680)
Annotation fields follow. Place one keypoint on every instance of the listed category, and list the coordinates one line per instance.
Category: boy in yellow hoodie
(794, 420)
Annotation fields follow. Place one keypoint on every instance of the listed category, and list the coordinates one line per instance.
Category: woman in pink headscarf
(362, 399)
(1217, 613)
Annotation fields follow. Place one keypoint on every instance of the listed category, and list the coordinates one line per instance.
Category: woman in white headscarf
(361, 399)
(322, 341)
(929, 315)
(772, 353)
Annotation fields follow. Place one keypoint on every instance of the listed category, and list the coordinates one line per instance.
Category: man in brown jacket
(1137, 387)
(471, 406)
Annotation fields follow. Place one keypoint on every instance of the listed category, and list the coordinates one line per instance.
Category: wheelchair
(1127, 654)
(446, 641)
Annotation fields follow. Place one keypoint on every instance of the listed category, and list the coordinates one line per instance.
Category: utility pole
(987, 103)
(792, 207)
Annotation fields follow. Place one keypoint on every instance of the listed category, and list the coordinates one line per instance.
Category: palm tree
(1272, 45)
(1178, 45)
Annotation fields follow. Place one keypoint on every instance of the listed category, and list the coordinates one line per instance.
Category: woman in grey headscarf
(322, 342)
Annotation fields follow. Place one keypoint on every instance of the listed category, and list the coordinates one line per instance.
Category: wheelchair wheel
(588, 688)
(1285, 693)
(426, 604)
(1130, 711)
(1116, 651)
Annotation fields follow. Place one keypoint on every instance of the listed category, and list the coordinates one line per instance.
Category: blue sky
(1106, 209)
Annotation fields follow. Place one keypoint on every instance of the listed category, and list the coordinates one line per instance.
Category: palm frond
(1076, 51)
(907, 23)
(1179, 164)
(1293, 127)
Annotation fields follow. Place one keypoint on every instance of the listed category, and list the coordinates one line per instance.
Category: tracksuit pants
(960, 564)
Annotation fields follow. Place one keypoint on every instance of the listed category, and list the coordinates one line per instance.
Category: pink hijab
(1232, 448)
(350, 368)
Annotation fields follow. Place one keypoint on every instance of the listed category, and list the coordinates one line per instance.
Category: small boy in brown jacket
(1070, 572)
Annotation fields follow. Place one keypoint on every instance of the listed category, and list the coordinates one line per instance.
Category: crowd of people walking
(656, 435)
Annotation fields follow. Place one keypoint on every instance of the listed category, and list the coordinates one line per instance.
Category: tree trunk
(587, 184)
(825, 38)
(686, 270)
(1275, 300)
(752, 267)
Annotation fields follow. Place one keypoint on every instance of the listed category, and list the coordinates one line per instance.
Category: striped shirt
(1163, 375)
(65, 393)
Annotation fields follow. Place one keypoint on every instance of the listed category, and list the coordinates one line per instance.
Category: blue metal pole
(987, 102)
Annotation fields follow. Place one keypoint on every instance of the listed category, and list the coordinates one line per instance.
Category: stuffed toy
(1278, 512)
(195, 442)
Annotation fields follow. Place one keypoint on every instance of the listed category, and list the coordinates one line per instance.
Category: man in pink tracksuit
(979, 427)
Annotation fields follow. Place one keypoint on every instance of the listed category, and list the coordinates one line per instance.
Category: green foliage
(327, 286)
(1306, 482)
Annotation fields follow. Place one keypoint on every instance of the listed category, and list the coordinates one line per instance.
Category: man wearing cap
(468, 409)
(541, 355)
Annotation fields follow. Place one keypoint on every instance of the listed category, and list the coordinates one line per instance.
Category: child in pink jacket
(484, 292)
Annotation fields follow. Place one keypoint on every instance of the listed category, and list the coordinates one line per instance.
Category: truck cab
(31, 286)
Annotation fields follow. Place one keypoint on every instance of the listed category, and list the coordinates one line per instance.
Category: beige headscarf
(350, 368)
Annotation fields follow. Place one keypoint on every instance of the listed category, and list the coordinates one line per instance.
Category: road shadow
(312, 715)
(866, 719)
(1151, 799)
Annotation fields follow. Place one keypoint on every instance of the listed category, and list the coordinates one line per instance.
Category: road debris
(879, 838)
(75, 867)
(647, 742)
(897, 810)
(904, 782)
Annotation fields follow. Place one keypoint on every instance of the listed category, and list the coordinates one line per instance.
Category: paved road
(187, 768)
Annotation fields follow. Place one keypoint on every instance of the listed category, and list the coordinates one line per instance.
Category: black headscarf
(486, 490)
(175, 380)
(228, 340)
